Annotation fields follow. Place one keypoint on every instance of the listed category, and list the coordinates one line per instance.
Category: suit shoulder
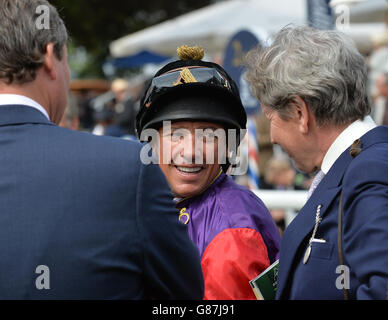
(84, 142)
(370, 164)
(91, 139)
(98, 154)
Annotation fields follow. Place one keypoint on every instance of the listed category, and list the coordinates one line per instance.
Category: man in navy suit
(312, 86)
(80, 216)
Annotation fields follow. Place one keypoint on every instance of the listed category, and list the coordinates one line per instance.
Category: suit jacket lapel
(303, 224)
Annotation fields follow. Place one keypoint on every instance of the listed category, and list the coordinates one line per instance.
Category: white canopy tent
(366, 19)
(212, 26)
(364, 11)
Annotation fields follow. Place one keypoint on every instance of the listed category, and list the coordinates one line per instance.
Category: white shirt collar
(15, 99)
(353, 132)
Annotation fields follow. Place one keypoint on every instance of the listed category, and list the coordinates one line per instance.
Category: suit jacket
(364, 182)
(82, 218)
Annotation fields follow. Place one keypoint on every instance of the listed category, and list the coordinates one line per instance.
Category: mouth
(189, 170)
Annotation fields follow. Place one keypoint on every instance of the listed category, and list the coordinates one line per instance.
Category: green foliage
(93, 24)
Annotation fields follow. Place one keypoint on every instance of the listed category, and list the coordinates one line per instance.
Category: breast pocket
(322, 250)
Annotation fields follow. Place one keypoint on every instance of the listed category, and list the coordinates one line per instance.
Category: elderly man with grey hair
(80, 216)
(312, 87)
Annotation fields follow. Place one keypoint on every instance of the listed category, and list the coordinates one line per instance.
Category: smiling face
(190, 154)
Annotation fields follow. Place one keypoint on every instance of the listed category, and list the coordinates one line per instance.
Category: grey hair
(22, 43)
(323, 67)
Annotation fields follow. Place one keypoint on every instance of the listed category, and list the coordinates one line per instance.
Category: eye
(212, 135)
(175, 136)
(209, 134)
(178, 134)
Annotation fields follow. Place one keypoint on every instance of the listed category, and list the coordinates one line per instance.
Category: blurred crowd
(104, 108)
(110, 108)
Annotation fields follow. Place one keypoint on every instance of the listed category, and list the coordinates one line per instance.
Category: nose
(187, 150)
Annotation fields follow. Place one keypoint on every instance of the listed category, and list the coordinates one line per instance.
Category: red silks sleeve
(230, 261)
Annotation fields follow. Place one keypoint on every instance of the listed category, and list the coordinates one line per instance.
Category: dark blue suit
(364, 182)
(86, 208)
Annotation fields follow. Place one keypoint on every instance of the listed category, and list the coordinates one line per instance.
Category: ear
(302, 113)
(49, 61)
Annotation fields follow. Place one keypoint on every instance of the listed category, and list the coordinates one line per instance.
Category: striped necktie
(317, 179)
